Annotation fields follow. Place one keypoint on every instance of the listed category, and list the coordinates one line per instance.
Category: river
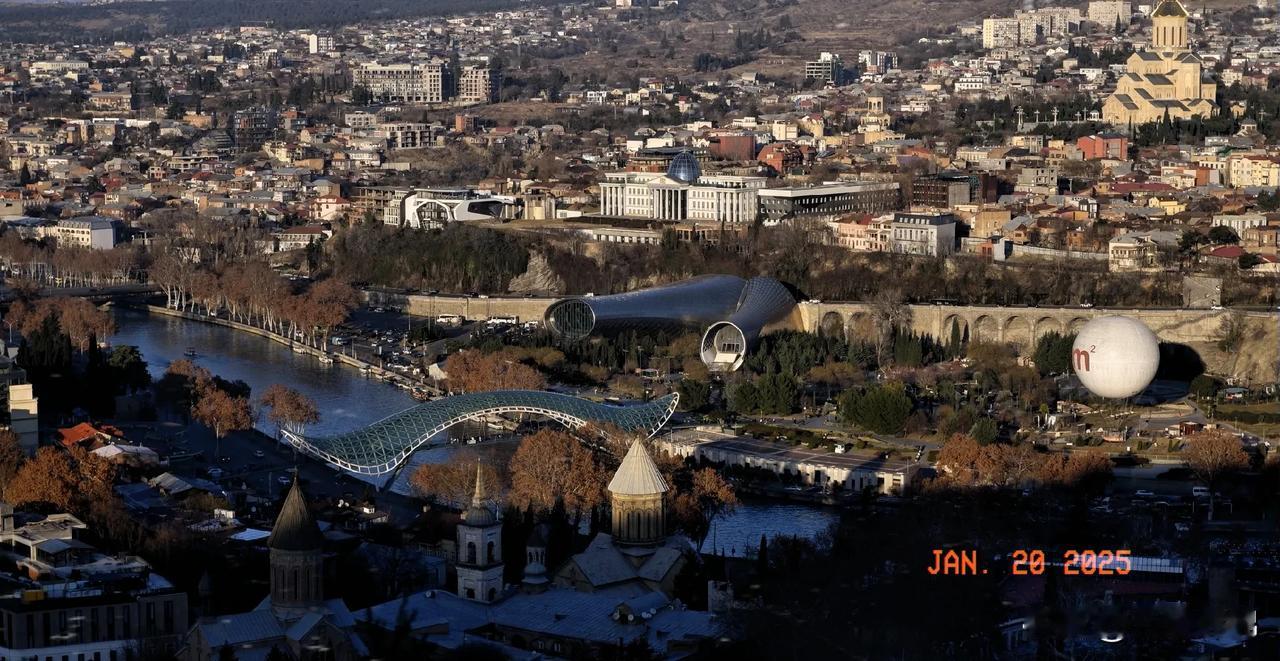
(348, 401)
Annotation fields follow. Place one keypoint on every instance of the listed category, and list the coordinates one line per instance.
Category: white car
(1144, 493)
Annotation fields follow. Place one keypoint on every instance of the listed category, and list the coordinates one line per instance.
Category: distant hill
(41, 22)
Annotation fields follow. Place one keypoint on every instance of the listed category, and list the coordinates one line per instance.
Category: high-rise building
(411, 82)
(319, 43)
(476, 84)
(828, 68)
(253, 126)
(1000, 32)
(1109, 13)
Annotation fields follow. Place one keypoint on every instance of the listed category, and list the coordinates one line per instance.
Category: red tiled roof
(1230, 252)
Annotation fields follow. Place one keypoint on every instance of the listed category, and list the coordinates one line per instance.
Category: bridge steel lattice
(381, 447)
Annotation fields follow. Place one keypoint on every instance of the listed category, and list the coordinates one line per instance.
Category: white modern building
(425, 208)
(91, 232)
(932, 234)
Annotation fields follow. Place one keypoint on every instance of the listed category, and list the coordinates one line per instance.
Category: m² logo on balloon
(1080, 358)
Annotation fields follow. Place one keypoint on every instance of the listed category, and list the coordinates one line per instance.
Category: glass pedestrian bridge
(381, 447)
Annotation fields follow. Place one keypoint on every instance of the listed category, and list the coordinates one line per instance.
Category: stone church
(1166, 78)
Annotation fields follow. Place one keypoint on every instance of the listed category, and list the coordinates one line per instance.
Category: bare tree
(890, 314)
(1212, 454)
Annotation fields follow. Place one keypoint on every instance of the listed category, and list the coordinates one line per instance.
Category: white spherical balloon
(1115, 357)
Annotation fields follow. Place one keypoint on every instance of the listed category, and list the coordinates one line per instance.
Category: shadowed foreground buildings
(66, 600)
(615, 593)
(295, 619)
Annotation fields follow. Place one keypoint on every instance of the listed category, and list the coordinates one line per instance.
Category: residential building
(406, 135)
(1139, 251)
(93, 232)
(297, 238)
(828, 68)
(1240, 222)
(1105, 145)
(1110, 13)
(476, 84)
(920, 233)
(24, 416)
(1253, 170)
(319, 43)
(252, 127)
(863, 232)
(1000, 33)
(410, 82)
(67, 600)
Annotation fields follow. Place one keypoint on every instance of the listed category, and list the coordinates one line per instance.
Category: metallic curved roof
(733, 313)
(765, 304)
(691, 302)
(384, 445)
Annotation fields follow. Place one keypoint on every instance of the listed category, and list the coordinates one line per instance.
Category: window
(471, 553)
(489, 558)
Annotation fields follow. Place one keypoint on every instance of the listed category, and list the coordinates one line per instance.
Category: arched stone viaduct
(1019, 326)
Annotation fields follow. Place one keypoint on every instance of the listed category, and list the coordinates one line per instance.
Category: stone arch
(861, 326)
(1046, 325)
(1076, 324)
(831, 325)
(985, 329)
(1017, 331)
(960, 323)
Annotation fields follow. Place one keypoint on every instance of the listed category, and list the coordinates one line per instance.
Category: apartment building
(67, 600)
(409, 82)
(828, 68)
(477, 84)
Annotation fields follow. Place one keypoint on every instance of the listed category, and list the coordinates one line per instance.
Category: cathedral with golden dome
(1166, 78)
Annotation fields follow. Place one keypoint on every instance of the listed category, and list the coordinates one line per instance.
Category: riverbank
(368, 368)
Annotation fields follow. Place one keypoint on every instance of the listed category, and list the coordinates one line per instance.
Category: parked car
(1200, 492)
(1144, 493)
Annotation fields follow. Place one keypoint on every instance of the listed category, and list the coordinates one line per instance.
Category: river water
(348, 401)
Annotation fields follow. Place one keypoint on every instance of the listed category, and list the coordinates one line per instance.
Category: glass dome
(684, 168)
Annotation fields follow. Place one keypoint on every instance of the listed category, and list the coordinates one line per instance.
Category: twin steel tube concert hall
(732, 312)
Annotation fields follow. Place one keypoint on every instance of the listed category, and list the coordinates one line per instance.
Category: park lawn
(1261, 429)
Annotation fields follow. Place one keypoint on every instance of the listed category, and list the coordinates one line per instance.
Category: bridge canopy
(381, 447)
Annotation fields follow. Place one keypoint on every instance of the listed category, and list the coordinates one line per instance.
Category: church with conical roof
(1164, 79)
(615, 593)
(295, 618)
